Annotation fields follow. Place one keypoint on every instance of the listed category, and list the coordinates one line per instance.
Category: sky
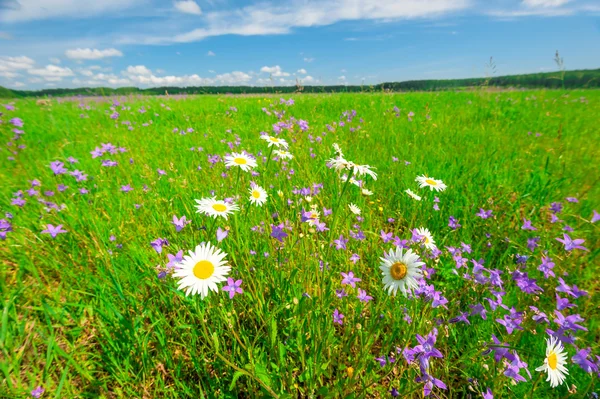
(149, 43)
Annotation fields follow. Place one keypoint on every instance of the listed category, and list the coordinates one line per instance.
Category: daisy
(283, 154)
(401, 271)
(360, 170)
(258, 195)
(554, 363)
(430, 182)
(245, 162)
(364, 191)
(201, 270)
(340, 163)
(213, 207)
(274, 141)
(354, 209)
(412, 195)
(427, 239)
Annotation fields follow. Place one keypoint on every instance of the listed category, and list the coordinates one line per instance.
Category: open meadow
(325, 246)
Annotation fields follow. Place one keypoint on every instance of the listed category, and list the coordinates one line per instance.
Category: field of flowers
(349, 245)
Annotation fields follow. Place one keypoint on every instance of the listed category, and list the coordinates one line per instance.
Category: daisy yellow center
(431, 182)
(219, 207)
(204, 269)
(274, 139)
(240, 161)
(313, 215)
(426, 240)
(552, 361)
(255, 194)
(398, 270)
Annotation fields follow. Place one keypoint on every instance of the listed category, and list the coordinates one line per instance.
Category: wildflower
(341, 293)
(37, 392)
(354, 209)
(340, 243)
(381, 360)
(595, 217)
(54, 231)
(581, 360)
(213, 207)
(554, 363)
(412, 195)
(426, 238)
(233, 287)
(556, 207)
(258, 195)
(243, 161)
(354, 257)
(126, 188)
(453, 223)
(201, 270)
(430, 182)
(158, 244)
(179, 223)
(515, 367)
(349, 279)
(222, 234)
(278, 233)
(283, 154)
(572, 244)
(58, 167)
(484, 214)
(527, 225)
(174, 260)
(401, 271)
(363, 297)
(338, 317)
(572, 199)
(274, 141)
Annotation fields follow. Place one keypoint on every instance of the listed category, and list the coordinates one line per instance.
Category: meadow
(305, 288)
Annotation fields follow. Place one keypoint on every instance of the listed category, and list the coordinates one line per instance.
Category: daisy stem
(237, 180)
(339, 203)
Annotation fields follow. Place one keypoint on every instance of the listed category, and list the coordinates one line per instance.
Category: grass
(84, 316)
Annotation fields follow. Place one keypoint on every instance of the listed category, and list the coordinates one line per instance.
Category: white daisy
(401, 271)
(427, 239)
(213, 207)
(245, 162)
(274, 141)
(283, 154)
(354, 209)
(258, 195)
(554, 363)
(430, 182)
(412, 195)
(340, 163)
(338, 150)
(360, 170)
(366, 192)
(201, 270)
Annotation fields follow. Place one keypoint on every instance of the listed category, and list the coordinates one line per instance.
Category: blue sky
(145, 43)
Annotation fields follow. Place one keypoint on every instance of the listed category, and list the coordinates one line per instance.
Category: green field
(91, 314)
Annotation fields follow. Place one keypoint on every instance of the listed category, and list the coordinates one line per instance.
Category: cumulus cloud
(51, 73)
(92, 54)
(143, 76)
(301, 71)
(307, 59)
(10, 67)
(275, 71)
(188, 7)
(308, 79)
(545, 3)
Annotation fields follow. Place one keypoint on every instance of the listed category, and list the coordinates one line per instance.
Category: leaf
(236, 376)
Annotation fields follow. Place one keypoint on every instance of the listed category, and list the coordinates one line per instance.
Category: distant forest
(579, 79)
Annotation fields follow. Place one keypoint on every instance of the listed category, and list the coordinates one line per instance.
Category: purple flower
(563, 303)
(453, 223)
(581, 360)
(556, 207)
(222, 234)
(54, 231)
(179, 223)
(158, 244)
(394, 392)
(233, 287)
(386, 237)
(341, 293)
(349, 279)
(488, 394)
(546, 267)
(277, 232)
(515, 367)
(337, 317)
(354, 258)
(126, 188)
(37, 392)
(381, 360)
(16, 122)
(362, 296)
(532, 243)
(527, 225)
(595, 217)
(174, 260)
(500, 350)
(72, 160)
(58, 167)
(571, 244)
(511, 323)
(340, 243)
(572, 199)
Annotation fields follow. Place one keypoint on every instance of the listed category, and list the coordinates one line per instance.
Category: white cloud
(211, 71)
(545, 3)
(308, 79)
(188, 7)
(54, 60)
(143, 76)
(92, 54)
(139, 70)
(307, 59)
(210, 54)
(51, 73)
(11, 64)
(276, 19)
(301, 71)
(17, 84)
(28, 10)
(342, 77)
(274, 71)
(9, 75)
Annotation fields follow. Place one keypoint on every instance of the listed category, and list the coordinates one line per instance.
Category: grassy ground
(85, 314)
